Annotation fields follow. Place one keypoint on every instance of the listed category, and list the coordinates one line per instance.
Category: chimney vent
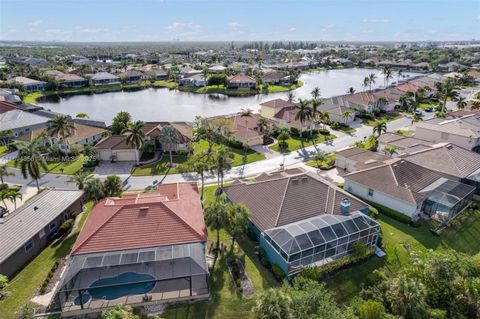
(345, 206)
(144, 209)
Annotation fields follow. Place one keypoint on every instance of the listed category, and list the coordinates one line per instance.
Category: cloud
(93, 30)
(58, 31)
(35, 23)
(234, 25)
(384, 20)
(292, 29)
(327, 27)
(184, 29)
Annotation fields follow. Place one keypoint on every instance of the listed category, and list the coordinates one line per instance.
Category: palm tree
(198, 163)
(237, 221)
(381, 101)
(135, 137)
(4, 172)
(60, 126)
(13, 195)
(319, 158)
(351, 90)
(380, 127)
(371, 80)
(461, 103)
(223, 163)
(94, 189)
(399, 75)
(315, 104)
(387, 74)
(475, 105)
(169, 138)
(246, 114)
(262, 124)
(304, 113)
(366, 83)
(390, 150)
(80, 178)
(291, 97)
(315, 93)
(346, 115)
(112, 186)
(30, 160)
(273, 304)
(447, 91)
(282, 140)
(324, 118)
(417, 117)
(216, 216)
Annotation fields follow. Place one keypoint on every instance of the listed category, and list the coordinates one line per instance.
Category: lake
(172, 105)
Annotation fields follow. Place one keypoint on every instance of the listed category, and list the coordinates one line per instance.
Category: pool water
(130, 284)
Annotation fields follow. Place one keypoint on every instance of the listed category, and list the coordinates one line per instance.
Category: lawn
(225, 302)
(69, 168)
(32, 97)
(388, 117)
(325, 164)
(161, 167)
(295, 142)
(280, 88)
(3, 149)
(252, 156)
(398, 238)
(167, 84)
(423, 106)
(24, 285)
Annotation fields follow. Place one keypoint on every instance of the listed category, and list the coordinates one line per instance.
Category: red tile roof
(240, 78)
(277, 103)
(171, 215)
(5, 107)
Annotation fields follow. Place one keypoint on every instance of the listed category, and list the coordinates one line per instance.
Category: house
(268, 109)
(463, 131)
(337, 107)
(362, 100)
(67, 80)
(9, 96)
(408, 87)
(26, 231)
(29, 85)
(131, 76)
(157, 74)
(21, 122)
(197, 80)
(115, 147)
(277, 78)
(388, 98)
(302, 220)
(138, 250)
(81, 135)
(104, 78)
(217, 69)
(410, 189)
(402, 144)
(6, 107)
(354, 159)
(241, 81)
(451, 67)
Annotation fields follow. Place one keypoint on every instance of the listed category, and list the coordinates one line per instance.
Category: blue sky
(237, 20)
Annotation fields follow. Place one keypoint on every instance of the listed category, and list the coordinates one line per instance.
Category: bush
(75, 150)
(323, 131)
(235, 144)
(263, 258)
(278, 272)
(66, 227)
(294, 131)
(373, 212)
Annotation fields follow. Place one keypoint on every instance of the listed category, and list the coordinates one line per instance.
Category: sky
(239, 20)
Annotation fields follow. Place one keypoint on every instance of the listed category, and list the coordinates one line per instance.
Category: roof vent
(35, 208)
(345, 206)
(144, 209)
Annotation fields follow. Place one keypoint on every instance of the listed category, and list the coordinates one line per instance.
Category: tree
(291, 97)
(446, 90)
(273, 304)
(198, 163)
(366, 82)
(223, 158)
(345, 116)
(315, 112)
(282, 138)
(82, 115)
(351, 90)
(380, 127)
(3, 284)
(461, 103)
(80, 178)
(304, 113)
(371, 80)
(31, 160)
(112, 186)
(205, 78)
(94, 189)
(324, 118)
(169, 139)
(237, 221)
(216, 217)
(387, 74)
(119, 312)
(390, 150)
(262, 124)
(13, 194)
(60, 126)
(135, 137)
(246, 114)
(417, 117)
(371, 309)
(320, 158)
(407, 298)
(315, 93)
(120, 123)
(4, 172)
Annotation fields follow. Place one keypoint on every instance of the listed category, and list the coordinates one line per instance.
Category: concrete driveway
(105, 168)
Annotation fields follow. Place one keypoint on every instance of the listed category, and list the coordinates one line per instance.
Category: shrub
(373, 212)
(324, 131)
(294, 131)
(235, 144)
(278, 272)
(263, 258)
(66, 227)
(27, 311)
(75, 150)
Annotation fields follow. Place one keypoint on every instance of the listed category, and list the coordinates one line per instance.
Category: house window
(370, 192)
(65, 216)
(41, 233)
(28, 245)
(52, 225)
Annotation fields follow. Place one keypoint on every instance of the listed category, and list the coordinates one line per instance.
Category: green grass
(3, 149)
(167, 84)
(32, 97)
(252, 156)
(398, 239)
(160, 168)
(69, 168)
(240, 91)
(295, 142)
(24, 285)
(280, 88)
(403, 132)
(323, 165)
(423, 106)
(388, 117)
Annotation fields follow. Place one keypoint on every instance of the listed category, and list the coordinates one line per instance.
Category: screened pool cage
(320, 239)
(101, 280)
(446, 199)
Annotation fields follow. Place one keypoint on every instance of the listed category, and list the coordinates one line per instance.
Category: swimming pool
(128, 283)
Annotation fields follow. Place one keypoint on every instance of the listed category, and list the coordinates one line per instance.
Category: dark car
(429, 109)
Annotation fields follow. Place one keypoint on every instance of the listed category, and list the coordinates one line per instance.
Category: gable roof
(5, 107)
(80, 133)
(277, 103)
(405, 144)
(117, 142)
(467, 126)
(363, 158)
(16, 118)
(241, 78)
(171, 215)
(280, 200)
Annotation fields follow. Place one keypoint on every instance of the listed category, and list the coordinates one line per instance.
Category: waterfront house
(138, 250)
(104, 78)
(362, 100)
(157, 74)
(302, 220)
(197, 80)
(26, 231)
(241, 81)
(276, 78)
(269, 108)
(131, 76)
(21, 122)
(10, 96)
(410, 189)
(336, 107)
(29, 85)
(217, 69)
(67, 80)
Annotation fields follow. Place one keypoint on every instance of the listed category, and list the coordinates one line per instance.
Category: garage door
(125, 155)
(104, 155)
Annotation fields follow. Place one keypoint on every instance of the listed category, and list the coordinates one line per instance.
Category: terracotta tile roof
(287, 114)
(153, 129)
(117, 142)
(277, 103)
(80, 133)
(362, 98)
(5, 107)
(408, 87)
(287, 199)
(171, 215)
(240, 78)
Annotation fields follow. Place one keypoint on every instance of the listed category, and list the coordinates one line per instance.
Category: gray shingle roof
(21, 225)
(17, 119)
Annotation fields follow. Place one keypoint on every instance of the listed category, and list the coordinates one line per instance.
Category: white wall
(381, 198)
(434, 136)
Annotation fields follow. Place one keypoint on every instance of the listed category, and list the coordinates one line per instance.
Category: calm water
(172, 105)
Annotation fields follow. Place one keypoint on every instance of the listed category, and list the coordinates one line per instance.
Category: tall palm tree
(237, 221)
(13, 195)
(351, 90)
(366, 83)
(135, 137)
(223, 159)
(387, 74)
(380, 127)
(31, 160)
(216, 216)
(246, 114)
(315, 112)
(169, 138)
(447, 90)
(461, 103)
(324, 118)
(80, 178)
(291, 97)
(371, 80)
(4, 172)
(346, 115)
(315, 93)
(205, 76)
(399, 76)
(61, 126)
(417, 117)
(304, 113)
